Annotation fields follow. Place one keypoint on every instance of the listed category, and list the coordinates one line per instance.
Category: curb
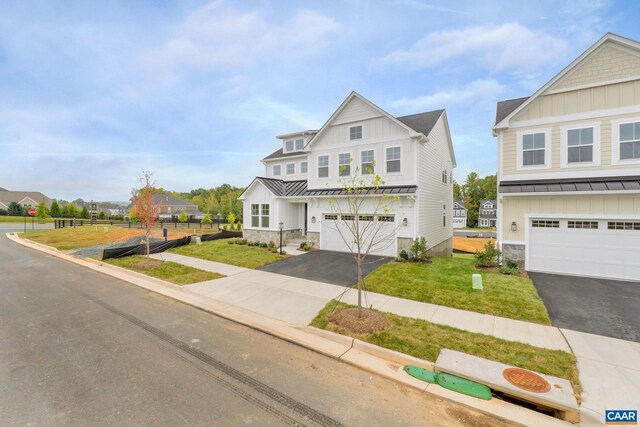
(378, 360)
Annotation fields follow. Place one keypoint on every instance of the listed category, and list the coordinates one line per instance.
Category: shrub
(302, 245)
(306, 247)
(512, 263)
(507, 270)
(238, 241)
(404, 255)
(488, 257)
(230, 242)
(420, 249)
(272, 244)
(274, 250)
(243, 241)
(284, 252)
(4, 212)
(264, 245)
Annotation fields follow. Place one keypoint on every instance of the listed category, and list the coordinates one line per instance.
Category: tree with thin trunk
(143, 208)
(360, 217)
(42, 212)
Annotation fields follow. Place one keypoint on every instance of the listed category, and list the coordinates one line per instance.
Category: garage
(336, 236)
(591, 247)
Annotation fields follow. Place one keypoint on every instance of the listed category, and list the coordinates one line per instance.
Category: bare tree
(360, 217)
(143, 208)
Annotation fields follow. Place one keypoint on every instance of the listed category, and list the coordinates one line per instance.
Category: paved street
(79, 348)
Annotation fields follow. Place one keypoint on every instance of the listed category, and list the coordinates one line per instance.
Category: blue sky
(92, 93)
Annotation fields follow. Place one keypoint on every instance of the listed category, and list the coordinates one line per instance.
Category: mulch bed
(522, 273)
(370, 322)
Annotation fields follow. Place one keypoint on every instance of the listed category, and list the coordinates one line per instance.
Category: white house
(569, 167)
(303, 180)
(459, 214)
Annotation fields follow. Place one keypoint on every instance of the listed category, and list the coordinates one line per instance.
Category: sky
(92, 93)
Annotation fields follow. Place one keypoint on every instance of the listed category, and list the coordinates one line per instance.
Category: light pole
(281, 226)
(219, 216)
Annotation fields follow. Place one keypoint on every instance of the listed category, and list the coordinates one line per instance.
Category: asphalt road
(79, 348)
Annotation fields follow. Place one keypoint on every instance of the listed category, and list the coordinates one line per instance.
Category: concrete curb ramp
(378, 360)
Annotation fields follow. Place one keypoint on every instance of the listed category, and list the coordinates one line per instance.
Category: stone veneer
(253, 235)
(514, 252)
(404, 243)
(443, 248)
(313, 238)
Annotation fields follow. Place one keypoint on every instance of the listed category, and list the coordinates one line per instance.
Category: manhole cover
(526, 380)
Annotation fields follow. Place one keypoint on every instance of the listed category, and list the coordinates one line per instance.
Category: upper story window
(393, 159)
(288, 145)
(299, 144)
(344, 164)
(291, 168)
(580, 145)
(630, 141)
(366, 160)
(323, 166)
(533, 149)
(277, 170)
(304, 166)
(355, 132)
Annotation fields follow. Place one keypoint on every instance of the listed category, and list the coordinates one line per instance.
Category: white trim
(615, 142)
(375, 164)
(385, 148)
(548, 147)
(564, 132)
(277, 159)
(594, 84)
(273, 171)
(513, 242)
(349, 164)
(353, 125)
(595, 114)
(307, 171)
(294, 168)
(572, 193)
(598, 173)
(21, 202)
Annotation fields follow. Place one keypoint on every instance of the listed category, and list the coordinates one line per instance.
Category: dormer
(293, 142)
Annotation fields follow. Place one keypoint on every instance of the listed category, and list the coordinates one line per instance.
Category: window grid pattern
(386, 218)
(365, 217)
(624, 225)
(291, 169)
(304, 167)
(533, 149)
(323, 166)
(630, 141)
(344, 164)
(299, 144)
(591, 225)
(264, 218)
(347, 217)
(367, 159)
(255, 215)
(545, 223)
(393, 159)
(355, 132)
(288, 145)
(580, 145)
(277, 170)
(331, 217)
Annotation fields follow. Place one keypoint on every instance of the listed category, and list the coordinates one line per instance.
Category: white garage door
(335, 235)
(585, 247)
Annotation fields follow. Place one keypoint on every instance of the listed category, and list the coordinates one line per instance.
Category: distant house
(23, 198)
(487, 213)
(170, 207)
(459, 214)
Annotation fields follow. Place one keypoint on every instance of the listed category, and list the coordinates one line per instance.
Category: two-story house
(569, 167)
(169, 208)
(304, 180)
(459, 214)
(487, 213)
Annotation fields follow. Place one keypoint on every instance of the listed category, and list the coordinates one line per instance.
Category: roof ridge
(424, 112)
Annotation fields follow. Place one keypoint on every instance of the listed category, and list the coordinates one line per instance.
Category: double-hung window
(288, 145)
(255, 215)
(291, 168)
(304, 166)
(299, 144)
(533, 149)
(355, 132)
(366, 162)
(323, 166)
(277, 170)
(393, 159)
(580, 145)
(344, 164)
(630, 141)
(264, 212)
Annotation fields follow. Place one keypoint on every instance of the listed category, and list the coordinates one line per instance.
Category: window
(255, 215)
(291, 168)
(344, 164)
(323, 166)
(533, 149)
(331, 217)
(366, 217)
(580, 145)
(393, 159)
(299, 144)
(355, 132)
(277, 170)
(630, 141)
(624, 225)
(366, 158)
(386, 218)
(592, 225)
(538, 223)
(288, 145)
(444, 219)
(265, 216)
(347, 217)
(304, 167)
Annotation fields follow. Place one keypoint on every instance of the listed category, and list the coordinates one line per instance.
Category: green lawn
(20, 219)
(165, 270)
(221, 251)
(447, 281)
(79, 237)
(425, 340)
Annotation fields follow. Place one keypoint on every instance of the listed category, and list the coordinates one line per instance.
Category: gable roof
(422, 122)
(493, 202)
(506, 107)
(460, 204)
(16, 196)
(607, 38)
(163, 199)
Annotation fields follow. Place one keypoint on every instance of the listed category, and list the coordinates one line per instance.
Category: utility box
(198, 240)
(476, 281)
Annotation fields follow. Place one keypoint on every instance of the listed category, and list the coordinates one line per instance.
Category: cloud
(479, 91)
(271, 116)
(420, 5)
(219, 36)
(494, 48)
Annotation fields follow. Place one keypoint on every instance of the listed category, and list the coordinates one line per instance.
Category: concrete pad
(312, 288)
(229, 292)
(560, 396)
(368, 298)
(394, 356)
(409, 308)
(293, 308)
(216, 267)
(530, 333)
(465, 320)
(612, 351)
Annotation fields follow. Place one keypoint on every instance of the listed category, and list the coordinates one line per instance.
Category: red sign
(32, 212)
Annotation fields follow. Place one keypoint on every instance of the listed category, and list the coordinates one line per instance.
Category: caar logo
(621, 417)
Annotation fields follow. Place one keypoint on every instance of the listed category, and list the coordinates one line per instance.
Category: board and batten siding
(514, 208)
(260, 195)
(283, 167)
(433, 157)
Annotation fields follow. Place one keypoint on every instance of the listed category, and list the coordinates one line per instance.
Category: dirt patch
(370, 321)
(149, 264)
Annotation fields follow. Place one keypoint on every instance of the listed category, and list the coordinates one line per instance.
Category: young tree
(85, 213)
(55, 209)
(231, 218)
(357, 214)
(102, 215)
(182, 217)
(143, 208)
(207, 219)
(42, 212)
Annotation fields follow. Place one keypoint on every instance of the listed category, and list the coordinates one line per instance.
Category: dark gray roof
(299, 189)
(422, 122)
(163, 199)
(506, 107)
(280, 154)
(460, 203)
(576, 184)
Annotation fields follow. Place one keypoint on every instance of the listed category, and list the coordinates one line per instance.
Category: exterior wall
(259, 194)
(254, 235)
(434, 157)
(443, 248)
(313, 239)
(404, 243)
(515, 252)
(355, 111)
(283, 167)
(514, 208)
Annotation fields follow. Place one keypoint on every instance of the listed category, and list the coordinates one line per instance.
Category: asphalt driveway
(336, 268)
(597, 306)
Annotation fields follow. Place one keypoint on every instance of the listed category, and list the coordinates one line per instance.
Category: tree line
(472, 191)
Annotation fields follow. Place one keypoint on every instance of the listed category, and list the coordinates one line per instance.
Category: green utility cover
(421, 373)
(463, 386)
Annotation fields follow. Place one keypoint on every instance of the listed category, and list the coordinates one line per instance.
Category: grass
(165, 270)
(447, 281)
(484, 229)
(20, 219)
(425, 340)
(79, 237)
(221, 251)
(468, 244)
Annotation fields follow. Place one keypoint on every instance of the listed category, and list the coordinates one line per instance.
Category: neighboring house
(569, 167)
(459, 214)
(169, 208)
(487, 213)
(412, 154)
(23, 198)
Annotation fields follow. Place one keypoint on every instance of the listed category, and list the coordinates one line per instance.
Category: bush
(420, 249)
(243, 241)
(404, 255)
(302, 245)
(264, 245)
(4, 212)
(238, 241)
(306, 247)
(230, 242)
(272, 244)
(274, 250)
(488, 257)
(284, 252)
(509, 271)
(512, 263)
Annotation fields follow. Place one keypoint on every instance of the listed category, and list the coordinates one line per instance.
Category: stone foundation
(313, 238)
(404, 243)
(443, 248)
(515, 252)
(270, 235)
